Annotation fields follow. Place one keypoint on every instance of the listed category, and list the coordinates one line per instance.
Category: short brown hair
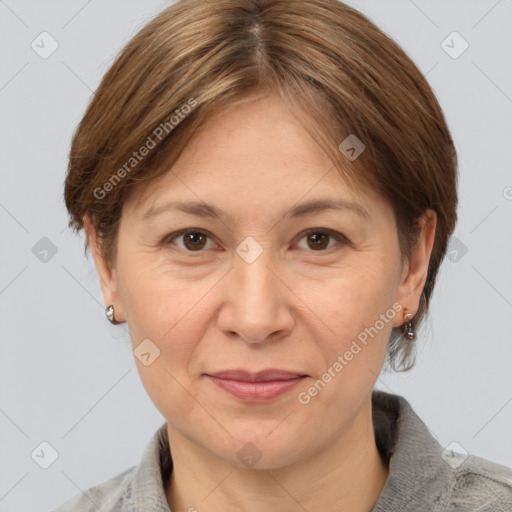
(326, 60)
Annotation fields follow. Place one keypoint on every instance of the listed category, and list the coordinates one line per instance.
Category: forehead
(257, 138)
(254, 153)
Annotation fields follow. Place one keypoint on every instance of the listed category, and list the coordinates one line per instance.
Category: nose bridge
(251, 264)
(254, 282)
(255, 309)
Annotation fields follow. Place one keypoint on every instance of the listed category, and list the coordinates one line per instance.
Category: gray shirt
(422, 475)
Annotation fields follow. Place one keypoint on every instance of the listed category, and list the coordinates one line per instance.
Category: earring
(110, 314)
(409, 329)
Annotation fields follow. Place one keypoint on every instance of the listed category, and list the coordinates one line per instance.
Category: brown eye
(189, 240)
(194, 241)
(319, 240)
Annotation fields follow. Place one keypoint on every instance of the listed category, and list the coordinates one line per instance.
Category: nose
(256, 306)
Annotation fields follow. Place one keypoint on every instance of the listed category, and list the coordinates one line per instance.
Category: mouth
(256, 387)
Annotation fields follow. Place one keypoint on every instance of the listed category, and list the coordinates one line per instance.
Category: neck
(347, 475)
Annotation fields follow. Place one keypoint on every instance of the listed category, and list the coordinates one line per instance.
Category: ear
(415, 271)
(106, 272)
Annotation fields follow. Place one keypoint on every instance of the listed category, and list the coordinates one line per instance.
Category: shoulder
(480, 483)
(425, 476)
(107, 496)
(140, 487)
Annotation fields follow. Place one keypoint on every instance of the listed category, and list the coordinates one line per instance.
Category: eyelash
(340, 238)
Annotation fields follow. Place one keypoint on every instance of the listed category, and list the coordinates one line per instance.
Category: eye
(193, 240)
(319, 239)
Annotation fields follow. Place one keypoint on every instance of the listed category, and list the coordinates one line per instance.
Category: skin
(296, 307)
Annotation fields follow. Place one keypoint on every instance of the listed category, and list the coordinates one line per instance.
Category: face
(266, 284)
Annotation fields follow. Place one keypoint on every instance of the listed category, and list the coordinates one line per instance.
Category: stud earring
(409, 329)
(110, 314)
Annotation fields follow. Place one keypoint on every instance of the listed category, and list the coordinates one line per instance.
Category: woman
(267, 189)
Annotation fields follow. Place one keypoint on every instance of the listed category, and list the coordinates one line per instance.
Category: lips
(261, 376)
(256, 387)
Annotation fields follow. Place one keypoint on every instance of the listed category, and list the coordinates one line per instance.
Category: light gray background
(68, 377)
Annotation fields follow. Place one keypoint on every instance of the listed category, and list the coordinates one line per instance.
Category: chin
(259, 450)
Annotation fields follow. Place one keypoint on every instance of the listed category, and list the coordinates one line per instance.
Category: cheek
(354, 298)
(357, 310)
(355, 314)
(158, 302)
(173, 314)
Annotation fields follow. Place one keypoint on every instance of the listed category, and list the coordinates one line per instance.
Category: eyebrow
(201, 209)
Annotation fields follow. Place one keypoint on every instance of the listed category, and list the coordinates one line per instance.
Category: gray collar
(418, 474)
